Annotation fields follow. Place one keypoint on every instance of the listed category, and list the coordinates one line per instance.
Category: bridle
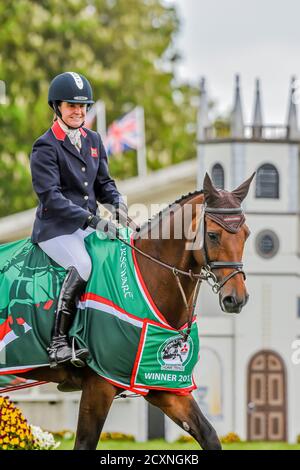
(211, 265)
(206, 273)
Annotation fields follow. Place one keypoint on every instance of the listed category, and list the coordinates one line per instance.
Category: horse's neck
(160, 281)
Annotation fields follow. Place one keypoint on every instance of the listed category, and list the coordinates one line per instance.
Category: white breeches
(69, 250)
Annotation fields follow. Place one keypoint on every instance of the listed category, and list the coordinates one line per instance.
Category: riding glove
(105, 226)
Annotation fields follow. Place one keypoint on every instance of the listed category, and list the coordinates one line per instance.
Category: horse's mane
(159, 215)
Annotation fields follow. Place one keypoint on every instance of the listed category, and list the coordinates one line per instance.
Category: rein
(206, 273)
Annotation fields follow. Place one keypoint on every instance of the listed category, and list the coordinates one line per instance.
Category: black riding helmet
(70, 87)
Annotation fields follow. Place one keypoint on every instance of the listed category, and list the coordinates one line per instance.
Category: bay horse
(171, 267)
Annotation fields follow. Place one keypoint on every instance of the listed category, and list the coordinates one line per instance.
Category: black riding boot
(59, 350)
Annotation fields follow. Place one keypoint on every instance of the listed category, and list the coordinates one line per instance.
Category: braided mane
(159, 215)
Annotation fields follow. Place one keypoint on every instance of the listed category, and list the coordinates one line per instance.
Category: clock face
(267, 244)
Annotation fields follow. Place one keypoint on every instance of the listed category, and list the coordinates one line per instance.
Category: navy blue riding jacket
(68, 183)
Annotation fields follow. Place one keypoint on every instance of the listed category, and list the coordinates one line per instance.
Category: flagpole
(141, 148)
(101, 118)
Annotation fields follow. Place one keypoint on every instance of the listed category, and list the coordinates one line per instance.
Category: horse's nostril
(229, 301)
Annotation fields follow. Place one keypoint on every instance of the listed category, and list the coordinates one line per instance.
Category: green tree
(124, 47)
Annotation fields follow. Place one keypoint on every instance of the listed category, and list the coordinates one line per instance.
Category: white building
(246, 379)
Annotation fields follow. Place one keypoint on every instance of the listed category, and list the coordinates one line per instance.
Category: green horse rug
(130, 342)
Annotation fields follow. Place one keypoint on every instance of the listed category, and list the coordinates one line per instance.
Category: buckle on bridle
(211, 278)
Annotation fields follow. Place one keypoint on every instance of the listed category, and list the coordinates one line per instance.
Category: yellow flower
(22, 444)
(6, 440)
(4, 447)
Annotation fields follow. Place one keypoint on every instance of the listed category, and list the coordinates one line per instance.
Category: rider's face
(73, 114)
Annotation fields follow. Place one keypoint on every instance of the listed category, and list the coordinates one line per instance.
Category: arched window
(217, 174)
(267, 182)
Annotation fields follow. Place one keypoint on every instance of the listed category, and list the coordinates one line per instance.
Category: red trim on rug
(125, 387)
(110, 303)
(186, 324)
(16, 371)
(183, 391)
(177, 391)
(193, 380)
(143, 285)
(98, 298)
(147, 293)
(138, 354)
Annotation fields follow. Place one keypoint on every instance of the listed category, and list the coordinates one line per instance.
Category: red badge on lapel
(94, 152)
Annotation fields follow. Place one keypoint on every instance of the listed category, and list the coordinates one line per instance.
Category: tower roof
(292, 118)
(203, 119)
(257, 115)
(237, 120)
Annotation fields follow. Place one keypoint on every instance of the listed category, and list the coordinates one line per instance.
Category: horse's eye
(213, 236)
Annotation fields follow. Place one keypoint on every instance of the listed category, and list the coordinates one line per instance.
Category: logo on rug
(175, 353)
(8, 335)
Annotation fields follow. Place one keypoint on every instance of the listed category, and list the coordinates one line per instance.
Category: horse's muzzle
(232, 304)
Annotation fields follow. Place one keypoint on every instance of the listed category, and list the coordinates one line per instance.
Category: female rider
(69, 175)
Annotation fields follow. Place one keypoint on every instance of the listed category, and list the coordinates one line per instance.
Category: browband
(233, 210)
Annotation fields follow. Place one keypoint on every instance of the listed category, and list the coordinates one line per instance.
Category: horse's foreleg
(185, 412)
(96, 399)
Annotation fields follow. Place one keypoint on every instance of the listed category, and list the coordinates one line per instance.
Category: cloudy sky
(257, 38)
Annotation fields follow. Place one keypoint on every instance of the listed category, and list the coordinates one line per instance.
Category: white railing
(269, 132)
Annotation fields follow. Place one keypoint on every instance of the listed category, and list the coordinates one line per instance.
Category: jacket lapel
(66, 143)
(72, 149)
(85, 148)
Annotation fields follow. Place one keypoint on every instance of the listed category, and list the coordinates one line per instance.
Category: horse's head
(222, 234)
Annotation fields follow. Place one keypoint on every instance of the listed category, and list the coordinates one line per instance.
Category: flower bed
(17, 434)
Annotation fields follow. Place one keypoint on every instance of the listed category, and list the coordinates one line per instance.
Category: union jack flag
(123, 134)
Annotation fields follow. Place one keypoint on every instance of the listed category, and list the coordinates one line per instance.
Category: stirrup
(76, 361)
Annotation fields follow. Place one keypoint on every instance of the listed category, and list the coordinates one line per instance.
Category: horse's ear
(241, 192)
(210, 192)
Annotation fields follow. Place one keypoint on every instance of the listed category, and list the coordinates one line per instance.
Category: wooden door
(266, 398)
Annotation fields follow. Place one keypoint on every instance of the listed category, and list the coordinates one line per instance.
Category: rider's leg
(68, 251)
(59, 350)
